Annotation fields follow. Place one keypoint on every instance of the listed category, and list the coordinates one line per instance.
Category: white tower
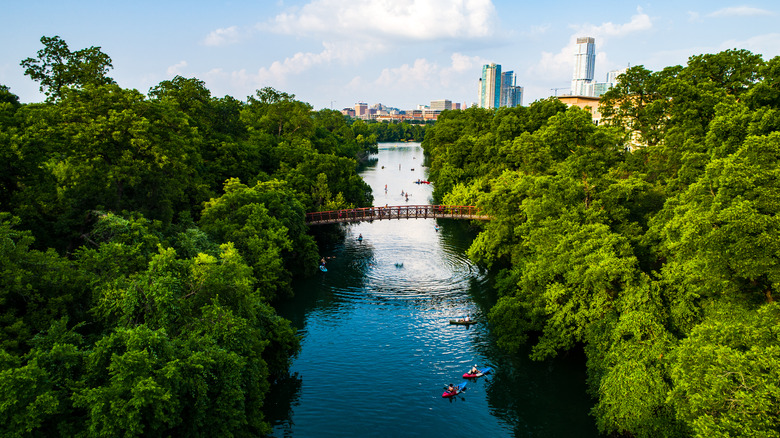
(584, 66)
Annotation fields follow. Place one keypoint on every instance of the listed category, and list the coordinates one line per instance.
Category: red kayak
(481, 373)
(458, 389)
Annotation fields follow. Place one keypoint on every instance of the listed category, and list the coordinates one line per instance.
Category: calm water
(378, 347)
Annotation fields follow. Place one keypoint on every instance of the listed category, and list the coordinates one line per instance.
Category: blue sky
(333, 53)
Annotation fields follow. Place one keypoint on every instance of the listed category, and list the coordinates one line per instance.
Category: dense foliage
(386, 131)
(651, 240)
(144, 241)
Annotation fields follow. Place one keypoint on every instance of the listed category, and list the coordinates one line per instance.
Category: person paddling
(452, 389)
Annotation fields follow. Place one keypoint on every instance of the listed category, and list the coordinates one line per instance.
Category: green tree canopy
(56, 67)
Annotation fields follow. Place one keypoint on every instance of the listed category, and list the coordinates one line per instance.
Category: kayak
(461, 322)
(323, 268)
(458, 389)
(481, 373)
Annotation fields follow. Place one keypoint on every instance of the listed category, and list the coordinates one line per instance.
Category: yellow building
(588, 103)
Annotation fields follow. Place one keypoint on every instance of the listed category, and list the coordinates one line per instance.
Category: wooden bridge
(395, 212)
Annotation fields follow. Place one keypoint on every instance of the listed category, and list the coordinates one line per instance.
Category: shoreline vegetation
(651, 240)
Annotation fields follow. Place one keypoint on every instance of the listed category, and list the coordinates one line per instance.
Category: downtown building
(585, 92)
(584, 66)
(490, 86)
(441, 105)
(582, 83)
(511, 95)
(497, 89)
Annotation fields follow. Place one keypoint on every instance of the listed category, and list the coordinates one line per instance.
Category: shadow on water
(377, 346)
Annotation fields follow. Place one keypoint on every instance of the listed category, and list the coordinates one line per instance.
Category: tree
(266, 223)
(725, 374)
(116, 151)
(726, 224)
(36, 288)
(57, 67)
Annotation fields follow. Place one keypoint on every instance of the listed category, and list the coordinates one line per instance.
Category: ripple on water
(400, 268)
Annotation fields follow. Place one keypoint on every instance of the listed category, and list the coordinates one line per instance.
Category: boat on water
(458, 389)
(481, 373)
(462, 321)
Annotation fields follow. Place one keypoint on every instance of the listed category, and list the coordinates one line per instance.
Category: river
(377, 346)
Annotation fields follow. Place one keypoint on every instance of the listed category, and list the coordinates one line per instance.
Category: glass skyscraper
(584, 65)
(490, 86)
(511, 94)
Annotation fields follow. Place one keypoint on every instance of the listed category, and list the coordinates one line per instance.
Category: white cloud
(353, 31)
(461, 62)
(555, 65)
(639, 22)
(397, 19)
(222, 37)
(767, 45)
(558, 67)
(427, 74)
(176, 69)
(422, 72)
(740, 11)
(278, 73)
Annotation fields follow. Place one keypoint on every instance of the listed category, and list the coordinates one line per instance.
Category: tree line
(145, 239)
(652, 240)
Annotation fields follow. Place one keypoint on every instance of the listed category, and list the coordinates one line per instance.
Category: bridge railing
(395, 212)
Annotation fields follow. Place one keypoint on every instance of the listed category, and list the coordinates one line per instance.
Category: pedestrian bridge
(369, 214)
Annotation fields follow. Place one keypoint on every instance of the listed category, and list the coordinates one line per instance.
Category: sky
(401, 53)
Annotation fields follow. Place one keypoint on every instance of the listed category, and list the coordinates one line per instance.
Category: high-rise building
(490, 86)
(612, 76)
(584, 65)
(511, 94)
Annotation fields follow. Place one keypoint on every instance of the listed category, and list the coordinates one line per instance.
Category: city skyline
(403, 53)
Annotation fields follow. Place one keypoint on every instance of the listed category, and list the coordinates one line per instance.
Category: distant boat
(462, 322)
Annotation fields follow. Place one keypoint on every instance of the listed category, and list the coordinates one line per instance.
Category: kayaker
(474, 370)
(451, 389)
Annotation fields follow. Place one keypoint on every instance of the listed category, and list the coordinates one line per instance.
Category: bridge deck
(395, 212)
